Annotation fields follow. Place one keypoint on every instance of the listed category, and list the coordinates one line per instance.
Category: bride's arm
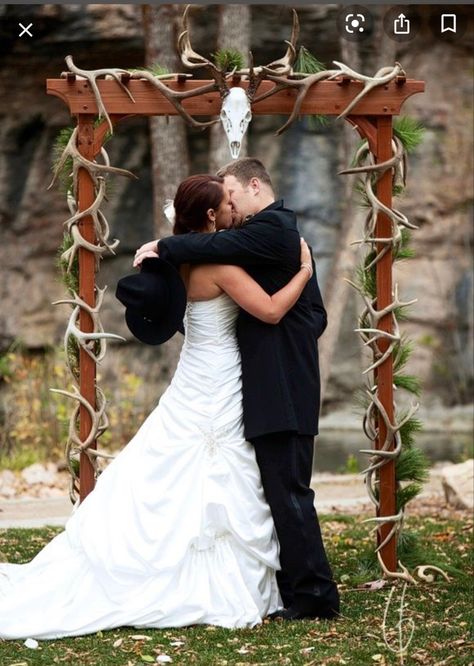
(251, 297)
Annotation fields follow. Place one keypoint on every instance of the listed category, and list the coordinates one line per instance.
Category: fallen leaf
(117, 643)
(163, 659)
(140, 637)
(373, 584)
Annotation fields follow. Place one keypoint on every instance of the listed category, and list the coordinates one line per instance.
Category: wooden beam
(325, 97)
(86, 196)
(384, 372)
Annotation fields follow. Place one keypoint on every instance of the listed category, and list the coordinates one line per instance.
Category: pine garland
(411, 467)
(65, 175)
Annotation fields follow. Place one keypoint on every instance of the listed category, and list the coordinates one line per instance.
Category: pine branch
(409, 383)
(406, 494)
(409, 430)
(228, 59)
(155, 68)
(409, 131)
(412, 465)
(307, 63)
(70, 278)
(65, 175)
(403, 251)
(402, 353)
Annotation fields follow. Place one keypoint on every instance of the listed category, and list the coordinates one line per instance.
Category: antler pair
(281, 67)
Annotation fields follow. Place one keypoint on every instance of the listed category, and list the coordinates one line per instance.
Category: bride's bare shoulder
(201, 282)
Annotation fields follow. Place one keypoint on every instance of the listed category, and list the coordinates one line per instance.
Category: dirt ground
(42, 497)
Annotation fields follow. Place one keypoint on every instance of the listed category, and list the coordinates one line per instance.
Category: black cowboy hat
(155, 301)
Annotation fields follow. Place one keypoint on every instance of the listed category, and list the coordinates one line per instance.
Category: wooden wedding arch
(372, 117)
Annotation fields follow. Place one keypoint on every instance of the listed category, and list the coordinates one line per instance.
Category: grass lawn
(440, 610)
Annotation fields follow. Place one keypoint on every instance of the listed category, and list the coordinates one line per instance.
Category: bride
(177, 530)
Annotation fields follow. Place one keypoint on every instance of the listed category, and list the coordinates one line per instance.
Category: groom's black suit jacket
(280, 368)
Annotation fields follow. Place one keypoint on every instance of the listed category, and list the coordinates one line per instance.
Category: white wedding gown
(177, 531)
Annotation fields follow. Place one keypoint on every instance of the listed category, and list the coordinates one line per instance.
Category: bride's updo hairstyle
(194, 197)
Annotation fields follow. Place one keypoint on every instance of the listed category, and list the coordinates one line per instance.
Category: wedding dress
(177, 530)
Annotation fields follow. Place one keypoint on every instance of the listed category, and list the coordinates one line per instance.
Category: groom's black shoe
(304, 606)
(294, 613)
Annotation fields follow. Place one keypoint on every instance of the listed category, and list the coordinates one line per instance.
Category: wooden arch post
(372, 116)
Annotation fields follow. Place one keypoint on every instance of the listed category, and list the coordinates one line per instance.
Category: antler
(194, 60)
(303, 85)
(382, 76)
(175, 97)
(283, 66)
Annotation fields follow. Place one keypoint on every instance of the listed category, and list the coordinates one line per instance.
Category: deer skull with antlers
(236, 111)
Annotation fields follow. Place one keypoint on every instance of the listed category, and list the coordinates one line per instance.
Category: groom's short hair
(245, 169)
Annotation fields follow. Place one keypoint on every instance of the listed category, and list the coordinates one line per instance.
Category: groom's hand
(147, 250)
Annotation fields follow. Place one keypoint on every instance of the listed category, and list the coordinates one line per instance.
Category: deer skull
(235, 117)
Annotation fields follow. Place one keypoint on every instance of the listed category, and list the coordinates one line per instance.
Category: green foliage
(5, 367)
(402, 353)
(362, 198)
(73, 356)
(401, 312)
(352, 465)
(406, 493)
(20, 458)
(356, 640)
(403, 250)
(409, 383)
(33, 429)
(65, 174)
(409, 429)
(70, 278)
(36, 421)
(366, 278)
(307, 63)
(155, 68)
(409, 131)
(75, 466)
(412, 465)
(228, 60)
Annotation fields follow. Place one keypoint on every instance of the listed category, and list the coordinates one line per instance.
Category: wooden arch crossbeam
(371, 116)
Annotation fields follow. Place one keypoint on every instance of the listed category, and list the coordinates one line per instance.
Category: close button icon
(25, 30)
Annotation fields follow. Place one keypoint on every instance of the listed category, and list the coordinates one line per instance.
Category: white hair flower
(169, 211)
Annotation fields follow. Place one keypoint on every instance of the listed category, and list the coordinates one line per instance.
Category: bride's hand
(146, 250)
(305, 258)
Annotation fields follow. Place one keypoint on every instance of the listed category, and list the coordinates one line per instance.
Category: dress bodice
(211, 322)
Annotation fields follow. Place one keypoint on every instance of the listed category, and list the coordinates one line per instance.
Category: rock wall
(304, 162)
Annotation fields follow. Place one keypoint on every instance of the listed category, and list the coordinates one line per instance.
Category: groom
(280, 376)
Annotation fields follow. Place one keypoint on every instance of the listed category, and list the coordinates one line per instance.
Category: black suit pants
(285, 462)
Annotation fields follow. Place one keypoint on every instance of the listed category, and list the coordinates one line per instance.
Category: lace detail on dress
(212, 438)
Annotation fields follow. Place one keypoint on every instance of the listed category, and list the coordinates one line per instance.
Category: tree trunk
(233, 33)
(167, 135)
(168, 145)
